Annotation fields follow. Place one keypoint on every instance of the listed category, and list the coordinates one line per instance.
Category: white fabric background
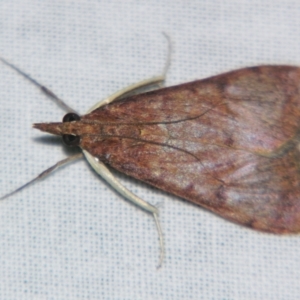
(71, 236)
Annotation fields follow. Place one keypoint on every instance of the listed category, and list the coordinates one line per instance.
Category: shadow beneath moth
(229, 143)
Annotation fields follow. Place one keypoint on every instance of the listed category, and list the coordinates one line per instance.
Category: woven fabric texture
(71, 236)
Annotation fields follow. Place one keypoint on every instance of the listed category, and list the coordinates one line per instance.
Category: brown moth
(229, 143)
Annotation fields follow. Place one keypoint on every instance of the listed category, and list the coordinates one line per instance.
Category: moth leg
(169, 56)
(126, 90)
(45, 173)
(105, 173)
(43, 88)
(154, 80)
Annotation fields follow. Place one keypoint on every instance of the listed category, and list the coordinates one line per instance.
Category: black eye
(71, 140)
(69, 117)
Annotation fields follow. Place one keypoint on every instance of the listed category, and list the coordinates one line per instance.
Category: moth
(228, 143)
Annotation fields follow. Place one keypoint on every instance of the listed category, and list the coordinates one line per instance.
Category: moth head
(68, 129)
(70, 139)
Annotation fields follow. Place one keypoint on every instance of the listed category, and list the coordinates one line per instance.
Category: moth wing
(228, 143)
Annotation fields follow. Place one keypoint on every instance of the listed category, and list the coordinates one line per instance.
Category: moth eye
(71, 140)
(69, 117)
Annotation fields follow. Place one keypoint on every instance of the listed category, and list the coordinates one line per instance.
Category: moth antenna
(45, 173)
(43, 88)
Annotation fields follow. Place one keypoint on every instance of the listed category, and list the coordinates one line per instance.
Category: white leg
(128, 89)
(105, 173)
(158, 79)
